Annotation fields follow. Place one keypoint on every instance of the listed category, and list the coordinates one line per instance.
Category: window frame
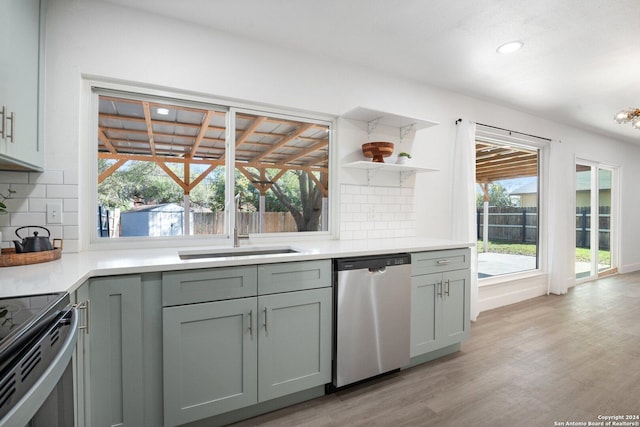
(93, 88)
(503, 137)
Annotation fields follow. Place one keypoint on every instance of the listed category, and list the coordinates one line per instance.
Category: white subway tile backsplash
(47, 177)
(28, 218)
(71, 232)
(38, 205)
(62, 191)
(70, 218)
(373, 212)
(351, 189)
(11, 178)
(55, 230)
(29, 190)
(28, 206)
(70, 205)
(70, 176)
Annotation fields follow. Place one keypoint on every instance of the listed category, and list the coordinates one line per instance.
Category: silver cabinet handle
(439, 285)
(251, 322)
(443, 262)
(86, 306)
(265, 321)
(446, 290)
(13, 128)
(3, 123)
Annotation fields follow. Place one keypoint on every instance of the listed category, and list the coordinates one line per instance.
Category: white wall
(86, 38)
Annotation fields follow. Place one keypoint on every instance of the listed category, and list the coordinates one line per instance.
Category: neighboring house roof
(163, 207)
(529, 188)
(583, 181)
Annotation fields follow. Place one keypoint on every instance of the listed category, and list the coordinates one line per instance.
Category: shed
(153, 220)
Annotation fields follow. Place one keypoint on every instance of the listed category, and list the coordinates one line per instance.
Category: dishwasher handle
(378, 270)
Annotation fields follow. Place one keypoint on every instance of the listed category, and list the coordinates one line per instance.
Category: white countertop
(73, 269)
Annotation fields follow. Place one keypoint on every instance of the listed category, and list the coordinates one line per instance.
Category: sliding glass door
(595, 219)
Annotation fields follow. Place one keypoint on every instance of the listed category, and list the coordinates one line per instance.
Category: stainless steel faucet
(236, 236)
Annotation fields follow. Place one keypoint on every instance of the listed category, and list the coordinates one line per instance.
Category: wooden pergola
(497, 162)
(265, 147)
(136, 130)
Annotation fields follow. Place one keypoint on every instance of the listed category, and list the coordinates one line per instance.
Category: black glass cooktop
(24, 316)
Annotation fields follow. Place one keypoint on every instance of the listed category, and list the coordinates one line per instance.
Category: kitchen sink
(236, 252)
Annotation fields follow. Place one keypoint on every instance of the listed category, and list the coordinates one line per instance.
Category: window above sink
(178, 168)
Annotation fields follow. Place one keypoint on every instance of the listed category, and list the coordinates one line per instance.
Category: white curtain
(559, 211)
(463, 196)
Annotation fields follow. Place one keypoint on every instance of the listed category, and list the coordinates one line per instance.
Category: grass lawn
(582, 254)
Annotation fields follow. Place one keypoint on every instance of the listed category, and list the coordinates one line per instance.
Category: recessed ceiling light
(510, 47)
(162, 111)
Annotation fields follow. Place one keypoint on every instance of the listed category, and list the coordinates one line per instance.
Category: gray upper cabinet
(21, 85)
(440, 300)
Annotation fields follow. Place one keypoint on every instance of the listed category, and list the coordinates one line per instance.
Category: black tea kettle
(33, 244)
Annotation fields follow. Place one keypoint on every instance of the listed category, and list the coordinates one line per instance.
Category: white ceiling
(580, 63)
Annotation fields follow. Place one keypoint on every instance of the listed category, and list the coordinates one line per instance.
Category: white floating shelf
(387, 119)
(373, 168)
(363, 164)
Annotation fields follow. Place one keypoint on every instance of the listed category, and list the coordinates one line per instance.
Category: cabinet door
(81, 357)
(210, 359)
(116, 351)
(426, 291)
(19, 81)
(294, 342)
(455, 307)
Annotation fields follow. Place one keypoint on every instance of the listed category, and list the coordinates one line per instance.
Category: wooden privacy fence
(520, 225)
(509, 224)
(583, 227)
(247, 222)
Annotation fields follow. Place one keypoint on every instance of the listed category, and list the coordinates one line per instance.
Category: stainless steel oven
(37, 337)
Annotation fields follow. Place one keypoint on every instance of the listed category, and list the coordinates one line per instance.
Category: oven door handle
(25, 409)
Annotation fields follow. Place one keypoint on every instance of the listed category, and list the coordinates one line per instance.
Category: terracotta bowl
(377, 150)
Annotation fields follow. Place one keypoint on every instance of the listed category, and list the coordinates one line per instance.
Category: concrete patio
(496, 264)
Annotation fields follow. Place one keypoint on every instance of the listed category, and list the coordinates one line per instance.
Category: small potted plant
(3, 207)
(403, 158)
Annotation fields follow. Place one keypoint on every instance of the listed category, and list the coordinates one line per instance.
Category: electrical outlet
(54, 213)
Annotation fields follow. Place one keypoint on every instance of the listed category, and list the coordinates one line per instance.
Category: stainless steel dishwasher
(372, 316)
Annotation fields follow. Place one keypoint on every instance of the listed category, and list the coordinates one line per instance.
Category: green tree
(137, 181)
(306, 208)
(498, 196)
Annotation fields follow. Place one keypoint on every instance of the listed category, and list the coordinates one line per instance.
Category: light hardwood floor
(551, 359)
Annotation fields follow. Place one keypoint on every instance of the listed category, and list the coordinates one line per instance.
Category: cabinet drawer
(187, 287)
(293, 276)
(436, 261)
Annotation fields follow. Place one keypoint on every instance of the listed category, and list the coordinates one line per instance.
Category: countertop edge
(74, 269)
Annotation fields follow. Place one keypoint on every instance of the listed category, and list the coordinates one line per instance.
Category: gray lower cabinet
(219, 356)
(110, 353)
(210, 359)
(440, 301)
(294, 342)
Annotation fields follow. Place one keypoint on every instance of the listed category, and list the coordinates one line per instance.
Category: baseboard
(506, 293)
(629, 268)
